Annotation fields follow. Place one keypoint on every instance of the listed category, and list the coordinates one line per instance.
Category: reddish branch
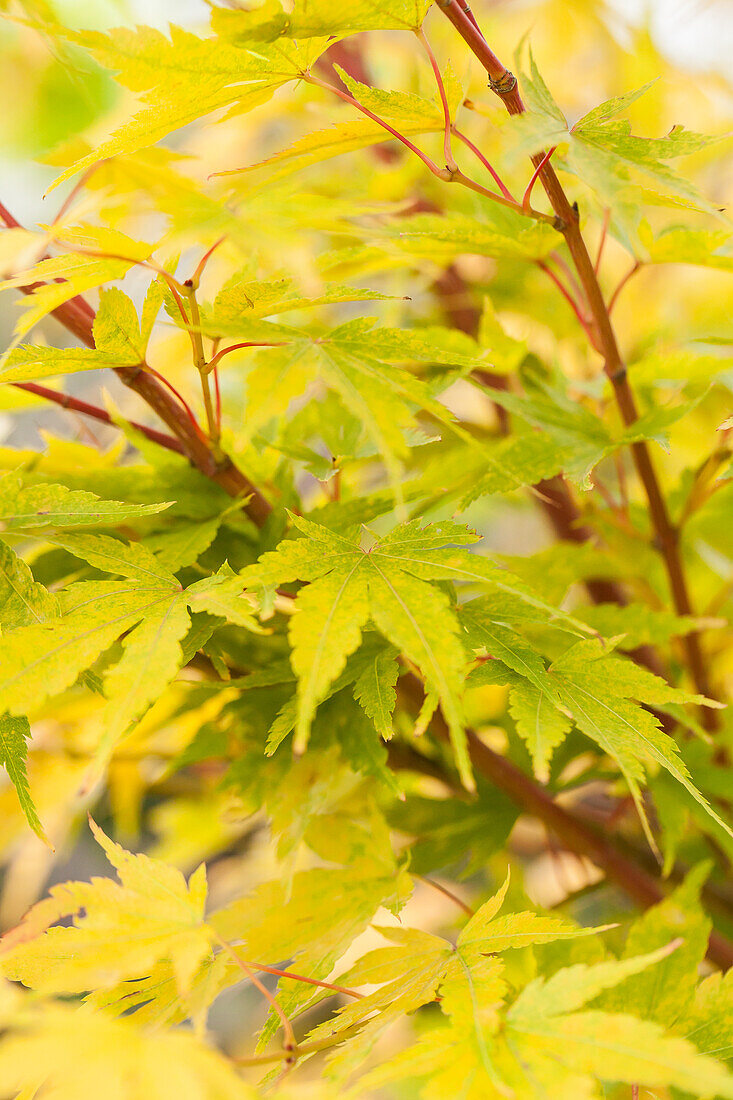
(567, 221)
(576, 835)
(75, 405)
(78, 317)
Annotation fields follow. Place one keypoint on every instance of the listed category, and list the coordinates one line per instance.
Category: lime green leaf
(28, 363)
(114, 556)
(14, 735)
(47, 657)
(444, 236)
(183, 545)
(665, 992)
(710, 1017)
(312, 922)
(613, 107)
(22, 599)
(343, 137)
(318, 17)
(151, 659)
(222, 595)
(621, 1048)
(685, 245)
(242, 298)
(573, 986)
(324, 631)
(638, 623)
(450, 832)
(405, 106)
(117, 329)
(597, 689)
(22, 508)
(121, 1059)
(262, 24)
(375, 690)
(119, 929)
(539, 723)
(539, 97)
(184, 78)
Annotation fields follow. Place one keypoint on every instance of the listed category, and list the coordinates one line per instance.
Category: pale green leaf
(44, 505)
(14, 736)
(151, 659)
(375, 690)
(126, 559)
(119, 930)
(22, 599)
(47, 657)
(324, 631)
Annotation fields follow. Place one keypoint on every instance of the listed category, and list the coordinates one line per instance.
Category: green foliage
(245, 626)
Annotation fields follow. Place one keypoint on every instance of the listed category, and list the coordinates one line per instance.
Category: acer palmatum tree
(400, 566)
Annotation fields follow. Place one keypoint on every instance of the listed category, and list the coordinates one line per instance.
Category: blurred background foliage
(320, 223)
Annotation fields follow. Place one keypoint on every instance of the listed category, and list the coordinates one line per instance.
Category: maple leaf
(184, 78)
(602, 151)
(56, 1050)
(25, 507)
(14, 735)
(387, 584)
(119, 930)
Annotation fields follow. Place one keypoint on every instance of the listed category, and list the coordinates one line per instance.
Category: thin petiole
(214, 361)
(197, 342)
(196, 277)
(309, 78)
(614, 297)
(602, 242)
(571, 301)
(290, 1043)
(169, 385)
(447, 150)
(528, 192)
(489, 168)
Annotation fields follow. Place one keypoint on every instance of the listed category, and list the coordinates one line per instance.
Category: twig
(614, 297)
(447, 151)
(579, 836)
(78, 317)
(75, 405)
(602, 242)
(528, 193)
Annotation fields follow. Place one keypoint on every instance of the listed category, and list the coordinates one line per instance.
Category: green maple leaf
(26, 507)
(375, 690)
(597, 690)
(418, 966)
(22, 599)
(14, 735)
(95, 256)
(602, 151)
(389, 585)
(312, 922)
